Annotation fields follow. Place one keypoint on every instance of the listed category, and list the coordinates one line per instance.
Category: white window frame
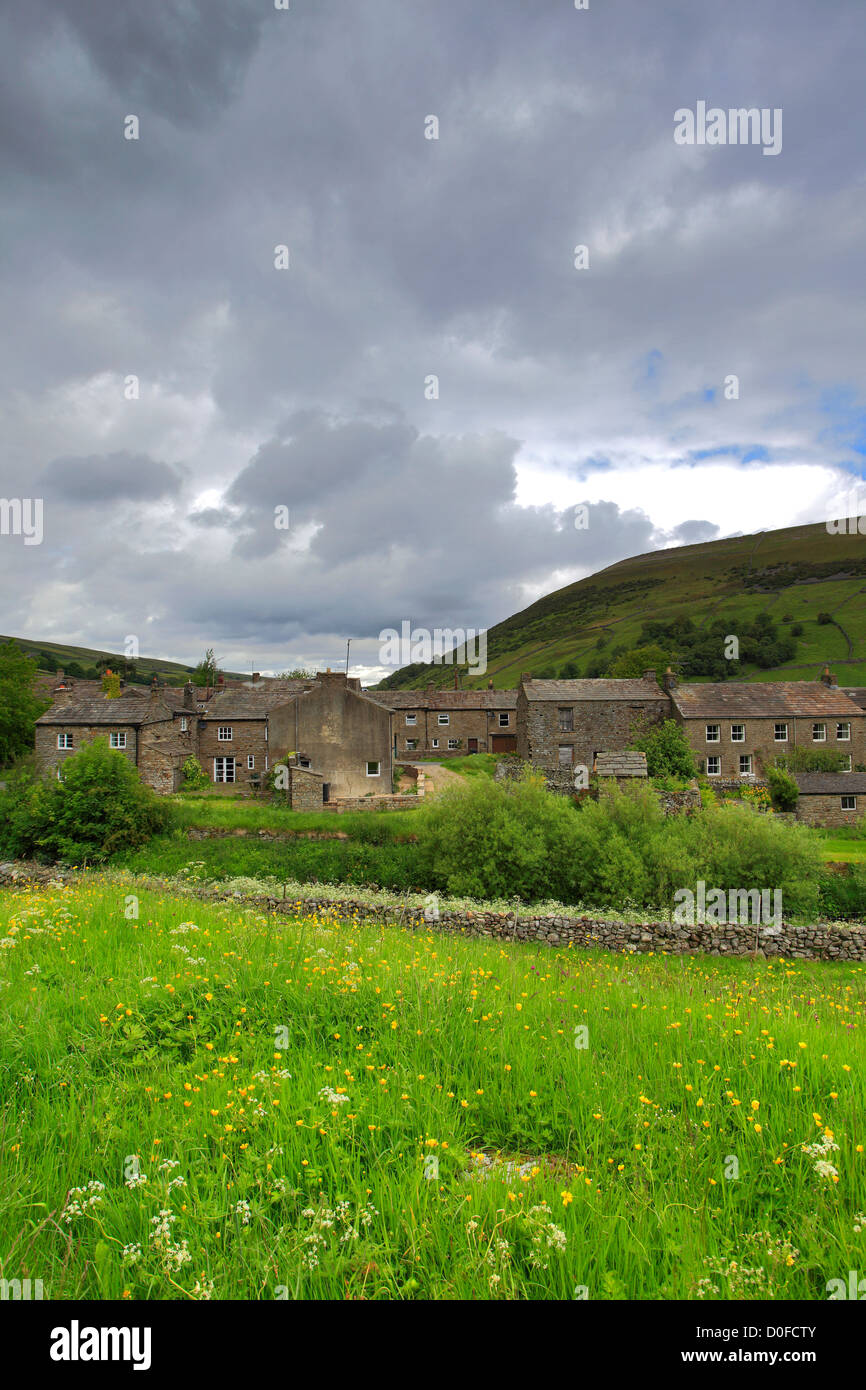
(251, 762)
(412, 719)
(741, 736)
(714, 737)
(225, 770)
(852, 800)
(371, 762)
(224, 733)
(819, 737)
(443, 719)
(434, 743)
(184, 723)
(64, 741)
(504, 720)
(746, 771)
(846, 736)
(452, 744)
(714, 771)
(411, 745)
(117, 739)
(777, 737)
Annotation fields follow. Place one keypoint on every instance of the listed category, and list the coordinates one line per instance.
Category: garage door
(503, 743)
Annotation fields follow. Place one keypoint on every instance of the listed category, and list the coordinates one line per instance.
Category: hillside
(60, 655)
(792, 575)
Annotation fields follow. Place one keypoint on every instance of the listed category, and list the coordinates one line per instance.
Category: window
(411, 719)
(504, 720)
(843, 732)
(251, 762)
(714, 766)
(411, 745)
(714, 733)
(374, 769)
(566, 753)
(224, 769)
(849, 803)
(819, 733)
(224, 733)
(64, 740)
(434, 743)
(184, 724)
(566, 721)
(738, 733)
(780, 733)
(452, 743)
(745, 764)
(117, 740)
(303, 762)
(443, 718)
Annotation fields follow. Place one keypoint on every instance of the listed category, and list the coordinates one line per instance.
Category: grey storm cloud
(409, 259)
(102, 478)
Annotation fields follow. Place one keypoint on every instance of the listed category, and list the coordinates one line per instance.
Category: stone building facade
(739, 728)
(569, 723)
(831, 798)
(447, 723)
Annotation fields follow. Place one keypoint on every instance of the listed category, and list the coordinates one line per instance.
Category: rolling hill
(792, 575)
(63, 654)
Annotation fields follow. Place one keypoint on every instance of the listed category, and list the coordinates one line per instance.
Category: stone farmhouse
(341, 743)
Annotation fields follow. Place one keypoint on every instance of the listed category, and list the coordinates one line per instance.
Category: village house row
(341, 742)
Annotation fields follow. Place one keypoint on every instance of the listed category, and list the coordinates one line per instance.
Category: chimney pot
(490, 684)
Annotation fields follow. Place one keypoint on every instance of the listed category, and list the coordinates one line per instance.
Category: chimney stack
(490, 684)
(650, 675)
(828, 678)
(256, 676)
(525, 676)
(670, 681)
(188, 696)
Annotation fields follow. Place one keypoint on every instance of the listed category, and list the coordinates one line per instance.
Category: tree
(194, 775)
(783, 789)
(297, 673)
(100, 806)
(20, 705)
(633, 664)
(111, 684)
(206, 671)
(668, 753)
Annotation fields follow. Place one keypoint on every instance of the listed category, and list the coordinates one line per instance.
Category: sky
(316, 353)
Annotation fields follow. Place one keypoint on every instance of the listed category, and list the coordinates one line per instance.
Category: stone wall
(396, 802)
(48, 755)
(599, 725)
(799, 943)
(248, 739)
(761, 743)
(815, 809)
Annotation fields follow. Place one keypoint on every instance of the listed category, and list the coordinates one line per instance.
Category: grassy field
(202, 1101)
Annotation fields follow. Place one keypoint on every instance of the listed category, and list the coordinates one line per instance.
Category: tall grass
(298, 1073)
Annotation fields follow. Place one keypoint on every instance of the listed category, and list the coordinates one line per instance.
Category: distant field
(203, 1101)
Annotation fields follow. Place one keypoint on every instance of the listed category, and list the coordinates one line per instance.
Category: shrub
(487, 839)
(667, 750)
(100, 806)
(812, 760)
(783, 789)
(194, 775)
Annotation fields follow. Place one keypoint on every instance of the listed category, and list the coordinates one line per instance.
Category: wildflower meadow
(201, 1101)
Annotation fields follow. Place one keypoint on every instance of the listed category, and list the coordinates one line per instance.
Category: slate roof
(254, 701)
(857, 693)
(740, 699)
(444, 699)
(626, 764)
(831, 783)
(575, 692)
(128, 710)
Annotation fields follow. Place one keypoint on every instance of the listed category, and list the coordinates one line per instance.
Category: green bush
(194, 775)
(667, 750)
(100, 806)
(812, 760)
(843, 895)
(487, 839)
(783, 789)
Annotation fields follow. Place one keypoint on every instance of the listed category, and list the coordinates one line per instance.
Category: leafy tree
(633, 664)
(111, 684)
(20, 705)
(194, 775)
(205, 672)
(75, 670)
(297, 673)
(668, 753)
(100, 806)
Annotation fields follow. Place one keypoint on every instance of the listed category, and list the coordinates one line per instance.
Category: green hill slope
(792, 575)
(62, 654)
